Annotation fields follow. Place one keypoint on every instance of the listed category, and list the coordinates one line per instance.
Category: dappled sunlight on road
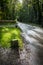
(32, 34)
(33, 39)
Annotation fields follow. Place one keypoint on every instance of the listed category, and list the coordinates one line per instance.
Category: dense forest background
(29, 11)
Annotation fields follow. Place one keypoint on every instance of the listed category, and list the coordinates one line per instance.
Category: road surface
(33, 40)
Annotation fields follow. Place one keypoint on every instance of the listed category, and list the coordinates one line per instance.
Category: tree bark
(37, 10)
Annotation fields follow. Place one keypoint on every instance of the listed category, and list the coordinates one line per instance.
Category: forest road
(33, 38)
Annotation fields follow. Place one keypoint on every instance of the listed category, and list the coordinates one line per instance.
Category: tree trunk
(37, 10)
(39, 13)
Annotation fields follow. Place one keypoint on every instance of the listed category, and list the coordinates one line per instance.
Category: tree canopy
(23, 10)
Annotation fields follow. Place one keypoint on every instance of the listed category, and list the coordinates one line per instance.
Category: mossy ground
(9, 33)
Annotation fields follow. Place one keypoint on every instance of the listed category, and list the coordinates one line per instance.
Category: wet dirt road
(33, 40)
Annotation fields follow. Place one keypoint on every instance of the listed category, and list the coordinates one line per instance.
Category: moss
(9, 33)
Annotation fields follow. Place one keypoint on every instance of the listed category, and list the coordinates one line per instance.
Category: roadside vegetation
(9, 33)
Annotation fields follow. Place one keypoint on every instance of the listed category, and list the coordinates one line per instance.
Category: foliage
(8, 9)
(9, 33)
(30, 11)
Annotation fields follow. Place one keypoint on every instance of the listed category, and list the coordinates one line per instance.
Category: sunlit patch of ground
(9, 33)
